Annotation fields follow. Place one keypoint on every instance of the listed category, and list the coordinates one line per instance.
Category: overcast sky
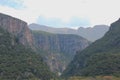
(63, 13)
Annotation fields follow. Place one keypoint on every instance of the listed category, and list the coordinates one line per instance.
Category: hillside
(18, 62)
(100, 58)
(59, 48)
(17, 59)
(90, 33)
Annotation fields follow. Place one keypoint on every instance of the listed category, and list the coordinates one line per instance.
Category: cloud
(88, 12)
(12, 3)
(79, 22)
(57, 22)
(97, 11)
(23, 14)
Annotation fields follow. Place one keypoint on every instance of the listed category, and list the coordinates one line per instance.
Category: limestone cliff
(60, 48)
(17, 28)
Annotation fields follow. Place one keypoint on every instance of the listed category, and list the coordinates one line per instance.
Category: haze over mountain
(101, 58)
(89, 33)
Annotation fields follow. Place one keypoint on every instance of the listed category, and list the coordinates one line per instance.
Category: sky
(63, 13)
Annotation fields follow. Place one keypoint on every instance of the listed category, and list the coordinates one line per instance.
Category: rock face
(64, 43)
(60, 47)
(101, 58)
(90, 33)
(17, 28)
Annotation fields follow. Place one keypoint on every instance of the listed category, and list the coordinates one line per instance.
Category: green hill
(100, 58)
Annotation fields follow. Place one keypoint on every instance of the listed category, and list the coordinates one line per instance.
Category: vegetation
(18, 62)
(94, 78)
(100, 58)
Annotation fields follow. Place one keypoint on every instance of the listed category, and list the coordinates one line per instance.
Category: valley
(59, 40)
(40, 55)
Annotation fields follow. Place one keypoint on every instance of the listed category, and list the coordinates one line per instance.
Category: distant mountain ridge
(91, 34)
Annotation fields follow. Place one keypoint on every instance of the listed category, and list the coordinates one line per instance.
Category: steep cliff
(100, 58)
(17, 28)
(17, 60)
(60, 48)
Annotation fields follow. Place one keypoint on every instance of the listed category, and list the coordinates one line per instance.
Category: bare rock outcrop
(17, 28)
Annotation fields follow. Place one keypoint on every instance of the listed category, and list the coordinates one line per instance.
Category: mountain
(17, 59)
(101, 58)
(59, 48)
(94, 33)
(91, 34)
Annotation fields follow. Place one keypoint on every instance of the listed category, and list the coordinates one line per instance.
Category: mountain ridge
(90, 33)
